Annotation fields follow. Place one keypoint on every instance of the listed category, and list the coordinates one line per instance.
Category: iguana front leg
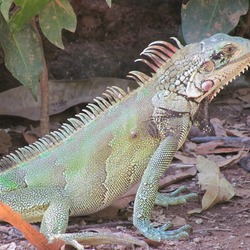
(146, 195)
(173, 122)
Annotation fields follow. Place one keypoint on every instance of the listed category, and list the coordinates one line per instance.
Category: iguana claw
(172, 198)
(159, 234)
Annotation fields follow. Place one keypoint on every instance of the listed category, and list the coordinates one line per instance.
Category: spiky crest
(114, 94)
(157, 53)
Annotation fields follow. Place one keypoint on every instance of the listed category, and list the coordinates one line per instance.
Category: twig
(44, 90)
(101, 225)
(212, 229)
(201, 216)
(242, 210)
(202, 139)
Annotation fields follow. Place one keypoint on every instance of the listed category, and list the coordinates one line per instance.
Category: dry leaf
(235, 132)
(63, 94)
(190, 160)
(36, 238)
(220, 146)
(218, 189)
(170, 179)
(223, 161)
(29, 138)
(218, 127)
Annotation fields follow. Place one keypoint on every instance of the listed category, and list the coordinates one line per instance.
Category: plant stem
(44, 91)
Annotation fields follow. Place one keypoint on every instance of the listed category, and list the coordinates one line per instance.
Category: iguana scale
(120, 140)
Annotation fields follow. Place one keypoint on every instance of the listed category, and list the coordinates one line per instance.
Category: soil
(106, 43)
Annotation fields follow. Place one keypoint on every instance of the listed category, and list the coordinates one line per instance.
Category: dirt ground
(106, 43)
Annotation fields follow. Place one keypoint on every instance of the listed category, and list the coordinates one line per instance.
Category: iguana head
(198, 71)
(214, 62)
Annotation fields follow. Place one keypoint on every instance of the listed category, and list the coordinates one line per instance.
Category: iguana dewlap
(121, 139)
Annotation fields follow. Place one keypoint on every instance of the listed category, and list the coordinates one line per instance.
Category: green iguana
(120, 140)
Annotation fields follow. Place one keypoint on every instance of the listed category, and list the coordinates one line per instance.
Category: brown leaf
(218, 147)
(235, 132)
(63, 94)
(218, 127)
(224, 161)
(185, 159)
(218, 189)
(29, 138)
(170, 179)
(36, 238)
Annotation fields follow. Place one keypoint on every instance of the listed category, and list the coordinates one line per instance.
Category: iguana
(120, 140)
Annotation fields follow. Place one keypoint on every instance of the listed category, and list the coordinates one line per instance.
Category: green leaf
(56, 17)
(109, 3)
(23, 54)
(201, 19)
(28, 9)
(5, 8)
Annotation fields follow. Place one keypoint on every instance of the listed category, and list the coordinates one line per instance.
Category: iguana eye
(207, 67)
(229, 49)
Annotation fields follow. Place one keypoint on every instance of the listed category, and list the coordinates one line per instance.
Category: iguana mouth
(228, 74)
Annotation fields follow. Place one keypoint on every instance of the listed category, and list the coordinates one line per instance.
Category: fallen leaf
(218, 127)
(223, 146)
(218, 189)
(29, 137)
(235, 132)
(170, 179)
(63, 94)
(224, 161)
(185, 159)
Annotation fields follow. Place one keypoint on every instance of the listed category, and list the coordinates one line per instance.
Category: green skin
(89, 164)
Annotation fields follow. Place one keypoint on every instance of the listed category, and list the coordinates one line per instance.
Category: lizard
(122, 139)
